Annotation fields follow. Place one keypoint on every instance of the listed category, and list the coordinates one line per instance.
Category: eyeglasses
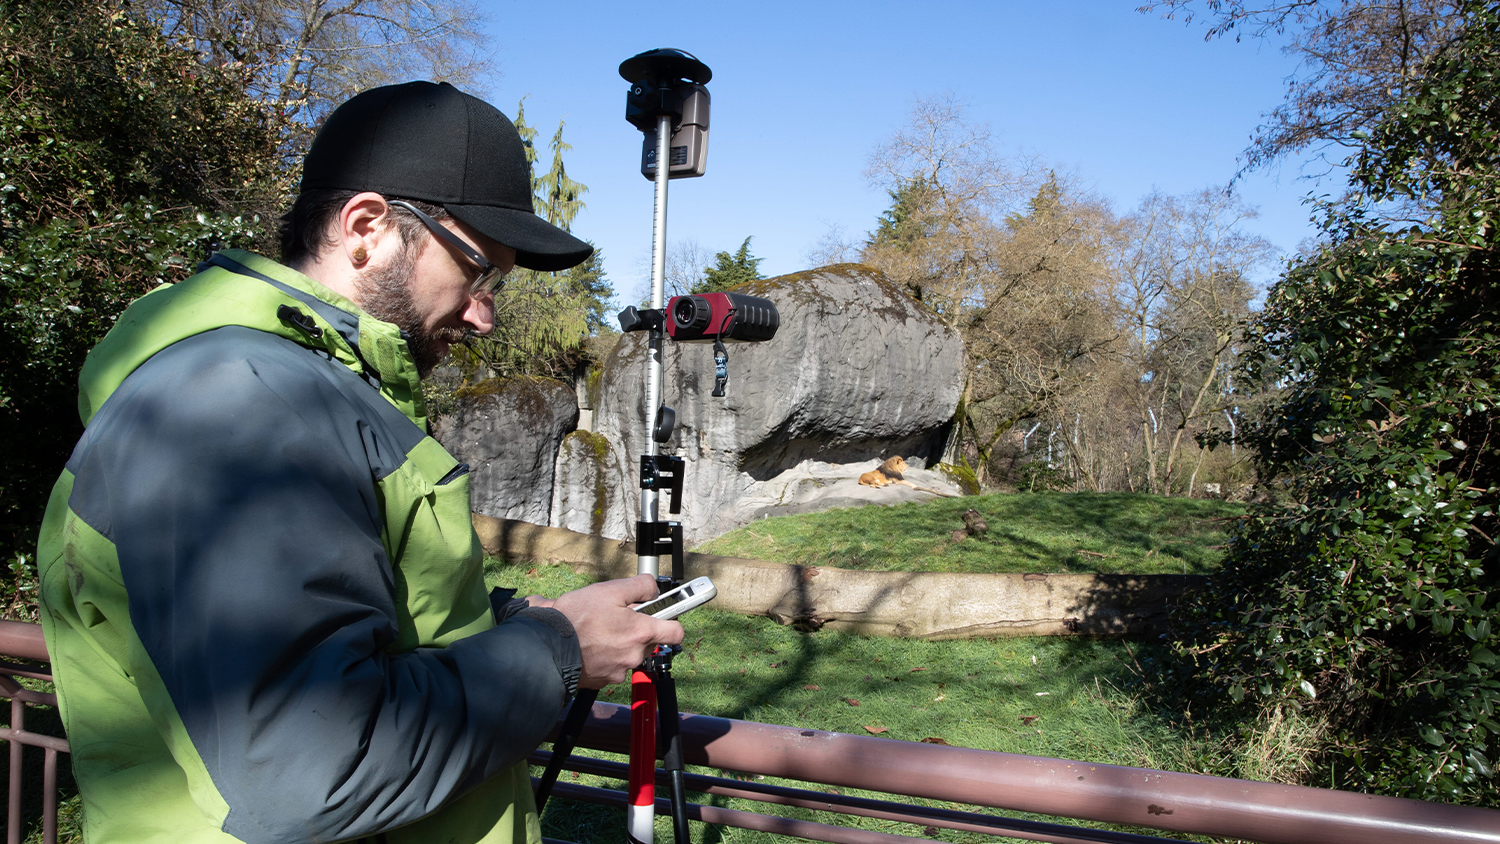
(490, 276)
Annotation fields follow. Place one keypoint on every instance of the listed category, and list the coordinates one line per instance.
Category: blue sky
(803, 92)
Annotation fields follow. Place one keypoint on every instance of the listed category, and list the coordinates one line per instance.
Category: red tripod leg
(640, 814)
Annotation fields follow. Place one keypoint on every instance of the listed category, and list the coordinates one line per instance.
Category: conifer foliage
(543, 321)
(730, 271)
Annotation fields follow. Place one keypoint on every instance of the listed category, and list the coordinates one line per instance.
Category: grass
(1057, 697)
(1039, 696)
(1028, 532)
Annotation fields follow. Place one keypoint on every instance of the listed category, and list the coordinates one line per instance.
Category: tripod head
(667, 82)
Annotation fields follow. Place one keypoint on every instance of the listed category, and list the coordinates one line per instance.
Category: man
(261, 590)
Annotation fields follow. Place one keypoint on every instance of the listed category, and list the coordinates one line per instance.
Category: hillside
(1028, 532)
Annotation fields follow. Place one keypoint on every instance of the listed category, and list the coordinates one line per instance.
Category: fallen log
(921, 605)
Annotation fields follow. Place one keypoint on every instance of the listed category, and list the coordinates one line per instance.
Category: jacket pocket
(436, 558)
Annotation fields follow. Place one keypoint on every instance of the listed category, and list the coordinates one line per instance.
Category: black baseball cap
(432, 142)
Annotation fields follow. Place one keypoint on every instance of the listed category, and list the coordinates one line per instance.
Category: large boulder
(858, 372)
(508, 430)
(589, 474)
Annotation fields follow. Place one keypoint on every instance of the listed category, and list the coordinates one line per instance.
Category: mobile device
(678, 601)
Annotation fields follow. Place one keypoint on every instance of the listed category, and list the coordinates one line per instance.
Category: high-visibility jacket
(262, 593)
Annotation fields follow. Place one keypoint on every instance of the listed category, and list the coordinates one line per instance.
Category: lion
(893, 470)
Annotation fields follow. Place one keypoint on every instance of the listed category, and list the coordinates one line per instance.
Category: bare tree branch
(1357, 58)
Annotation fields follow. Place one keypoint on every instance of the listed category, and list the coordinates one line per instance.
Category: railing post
(13, 819)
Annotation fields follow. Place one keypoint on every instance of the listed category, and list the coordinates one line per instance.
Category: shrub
(1364, 594)
(123, 159)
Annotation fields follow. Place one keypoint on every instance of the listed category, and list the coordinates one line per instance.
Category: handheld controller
(671, 604)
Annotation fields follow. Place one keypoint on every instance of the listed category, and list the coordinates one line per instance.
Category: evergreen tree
(558, 195)
(542, 320)
(730, 271)
(903, 224)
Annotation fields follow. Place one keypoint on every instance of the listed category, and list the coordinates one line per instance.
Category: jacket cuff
(568, 655)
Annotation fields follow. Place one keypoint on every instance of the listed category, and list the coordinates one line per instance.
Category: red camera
(721, 316)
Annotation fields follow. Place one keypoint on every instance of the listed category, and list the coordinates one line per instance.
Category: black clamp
(642, 319)
(660, 539)
(664, 472)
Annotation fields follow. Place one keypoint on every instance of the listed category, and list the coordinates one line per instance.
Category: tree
(687, 259)
(1364, 592)
(543, 320)
(126, 160)
(1018, 275)
(558, 197)
(948, 186)
(1358, 57)
(729, 271)
(1039, 321)
(1182, 268)
(301, 58)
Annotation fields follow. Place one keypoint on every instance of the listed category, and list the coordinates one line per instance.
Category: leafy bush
(122, 159)
(1365, 592)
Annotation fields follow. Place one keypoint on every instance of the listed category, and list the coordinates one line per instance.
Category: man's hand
(614, 638)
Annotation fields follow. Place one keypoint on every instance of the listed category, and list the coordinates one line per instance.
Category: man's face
(425, 291)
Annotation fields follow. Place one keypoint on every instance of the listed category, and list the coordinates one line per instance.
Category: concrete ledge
(919, 605)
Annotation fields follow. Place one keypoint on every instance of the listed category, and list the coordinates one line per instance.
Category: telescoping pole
(651, 564)
(640, 816)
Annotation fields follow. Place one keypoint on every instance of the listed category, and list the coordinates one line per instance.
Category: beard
(385, 293)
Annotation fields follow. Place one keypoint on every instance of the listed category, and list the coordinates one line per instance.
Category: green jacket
(262, 593)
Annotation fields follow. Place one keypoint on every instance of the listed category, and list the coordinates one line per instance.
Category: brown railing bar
(25, 695)
(23, 640)
(35, 672)
(20, 640)
(1265, 812)
(809, 830)
(21, 738)
(870, 808)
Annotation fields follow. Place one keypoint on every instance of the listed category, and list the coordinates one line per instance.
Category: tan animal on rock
(893, 470)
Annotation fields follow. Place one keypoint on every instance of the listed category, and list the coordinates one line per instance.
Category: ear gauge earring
(360, 255)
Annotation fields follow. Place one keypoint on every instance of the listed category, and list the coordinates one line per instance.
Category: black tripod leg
(563, 747)
(669, 730)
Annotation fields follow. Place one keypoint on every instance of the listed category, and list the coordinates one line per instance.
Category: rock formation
(858, 372)
(509, 431)
(589, 477)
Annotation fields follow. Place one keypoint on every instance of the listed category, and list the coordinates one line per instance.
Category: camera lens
(691, 314)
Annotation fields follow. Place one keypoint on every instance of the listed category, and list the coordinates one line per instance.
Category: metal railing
(19, 640)
(1134, 797)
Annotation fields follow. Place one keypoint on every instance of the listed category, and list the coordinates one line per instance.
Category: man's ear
(364, 228)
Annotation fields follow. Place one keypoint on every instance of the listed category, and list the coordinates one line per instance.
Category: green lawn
(1057, 697)
(1018, 695)
(1028, 532)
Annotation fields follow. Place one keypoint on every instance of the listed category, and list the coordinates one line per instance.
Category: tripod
(669, 103)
